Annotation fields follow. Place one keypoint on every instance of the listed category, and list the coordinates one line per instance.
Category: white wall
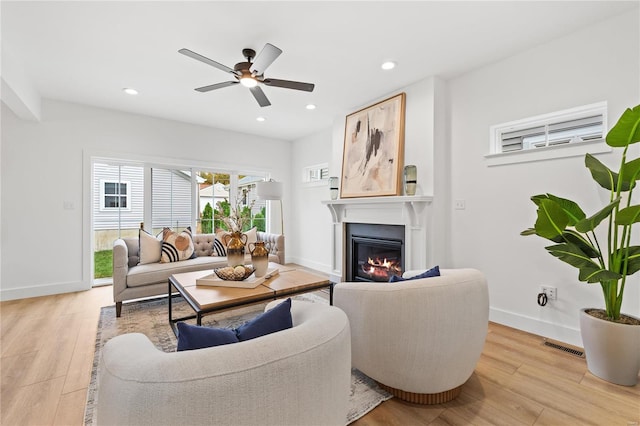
(44, 246)
(596, 64)
(311, 221)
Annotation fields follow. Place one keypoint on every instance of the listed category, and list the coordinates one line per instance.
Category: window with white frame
(318, 173)
(549, 133)
(115, 195)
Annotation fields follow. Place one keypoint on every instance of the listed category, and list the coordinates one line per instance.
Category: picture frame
(373, 151)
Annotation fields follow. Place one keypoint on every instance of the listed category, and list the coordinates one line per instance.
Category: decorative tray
(250, 281)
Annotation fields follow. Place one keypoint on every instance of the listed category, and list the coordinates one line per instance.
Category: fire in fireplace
(374, 251)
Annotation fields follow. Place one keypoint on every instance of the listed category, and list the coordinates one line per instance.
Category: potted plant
(602, 254)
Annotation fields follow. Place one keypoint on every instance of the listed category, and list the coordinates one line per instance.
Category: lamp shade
(269, 190)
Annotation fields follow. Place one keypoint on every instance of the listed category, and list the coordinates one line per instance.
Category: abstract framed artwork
(373, 150)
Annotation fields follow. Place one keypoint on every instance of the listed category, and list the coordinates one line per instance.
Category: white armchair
(419, 339)
(298, 376)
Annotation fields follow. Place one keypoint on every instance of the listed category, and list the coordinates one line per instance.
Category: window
(115, 195)
(584, 126)
(318, 173)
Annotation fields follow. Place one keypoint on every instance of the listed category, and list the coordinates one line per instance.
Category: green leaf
(628, 215)
(538, 198)
(552, 220)
(604, 176)
(572, 255)
(528, 231)
(630, 171)
(590, 223)
(581, 242)
(634, 259)
(596, 274)
(571, 208)
(627, 130)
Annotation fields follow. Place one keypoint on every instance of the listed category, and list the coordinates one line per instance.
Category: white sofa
(133, 281)
(299, 376)
(420, 339)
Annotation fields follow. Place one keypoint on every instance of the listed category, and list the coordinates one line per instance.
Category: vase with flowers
(234, 218)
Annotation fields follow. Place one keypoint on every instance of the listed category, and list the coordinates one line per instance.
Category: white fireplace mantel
(410, 211)
(413, 206)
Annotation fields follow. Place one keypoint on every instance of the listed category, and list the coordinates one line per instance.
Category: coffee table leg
(331, 293)
(169, 296)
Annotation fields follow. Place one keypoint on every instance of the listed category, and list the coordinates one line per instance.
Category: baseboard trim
(320, 267)
(42, 290)
(547, 329)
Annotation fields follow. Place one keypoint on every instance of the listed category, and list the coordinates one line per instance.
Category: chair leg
(118, 309)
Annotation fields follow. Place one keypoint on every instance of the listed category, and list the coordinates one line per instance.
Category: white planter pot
(612, 349)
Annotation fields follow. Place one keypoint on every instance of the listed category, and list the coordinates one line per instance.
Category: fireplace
(374, 252)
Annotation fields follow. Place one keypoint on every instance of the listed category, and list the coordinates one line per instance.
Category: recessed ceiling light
(310, 106)
(130, 91)
(261, 119)
(389, 65)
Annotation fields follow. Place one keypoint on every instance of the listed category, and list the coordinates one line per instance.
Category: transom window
(548, 135)
(316, 173)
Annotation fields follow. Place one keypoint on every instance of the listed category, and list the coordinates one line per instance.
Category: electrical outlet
(460, 205)
(551, 292)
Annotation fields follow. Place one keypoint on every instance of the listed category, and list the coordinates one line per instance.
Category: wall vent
(561, 347)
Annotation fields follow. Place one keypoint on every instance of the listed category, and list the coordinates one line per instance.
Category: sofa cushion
(433, 272)
(276, 319)
(197, 337)
(219, 248)
(203, 244)
(150, 248)
(176, 246)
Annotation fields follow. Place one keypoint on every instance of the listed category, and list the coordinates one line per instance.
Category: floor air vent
(561, 347)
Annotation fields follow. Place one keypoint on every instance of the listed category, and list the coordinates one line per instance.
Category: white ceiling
(86, 52)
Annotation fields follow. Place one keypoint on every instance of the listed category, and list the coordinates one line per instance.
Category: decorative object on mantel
(333, 187)
(271, 190)
(374, 149)
(259, 257)
(410, 179)
(611, 340)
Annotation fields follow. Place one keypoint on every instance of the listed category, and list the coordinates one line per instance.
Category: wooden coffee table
(207, 299)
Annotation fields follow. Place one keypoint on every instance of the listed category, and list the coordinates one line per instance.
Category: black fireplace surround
(374, 252)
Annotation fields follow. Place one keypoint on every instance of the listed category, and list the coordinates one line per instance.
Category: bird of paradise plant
(565, 223)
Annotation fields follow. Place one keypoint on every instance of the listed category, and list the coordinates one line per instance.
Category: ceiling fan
(249, 74)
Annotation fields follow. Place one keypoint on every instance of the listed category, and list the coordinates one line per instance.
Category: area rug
(150, 318)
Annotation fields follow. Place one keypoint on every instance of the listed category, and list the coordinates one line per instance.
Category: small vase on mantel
(259, 257)
(235, 243)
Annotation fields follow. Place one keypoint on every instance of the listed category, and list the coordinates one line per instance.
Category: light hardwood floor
(47, 346)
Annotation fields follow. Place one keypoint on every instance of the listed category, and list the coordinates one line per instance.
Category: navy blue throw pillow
(276, 319)
(198, 337)
(433, 272)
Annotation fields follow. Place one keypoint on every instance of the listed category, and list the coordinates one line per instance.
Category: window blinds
(554, 133)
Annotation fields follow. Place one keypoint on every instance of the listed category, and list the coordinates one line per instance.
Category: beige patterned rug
(150, 317)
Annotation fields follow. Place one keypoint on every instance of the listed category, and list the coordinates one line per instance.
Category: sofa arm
(276, 244)
(120, 268)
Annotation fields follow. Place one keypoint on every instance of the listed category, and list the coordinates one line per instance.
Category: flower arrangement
(235, 218)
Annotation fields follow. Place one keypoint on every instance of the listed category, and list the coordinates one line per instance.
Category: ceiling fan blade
(216, 86)
(207, 61)
(260, 96)
(297, 85)
(267, 55)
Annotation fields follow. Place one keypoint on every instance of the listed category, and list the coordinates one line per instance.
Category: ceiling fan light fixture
(248, 81)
